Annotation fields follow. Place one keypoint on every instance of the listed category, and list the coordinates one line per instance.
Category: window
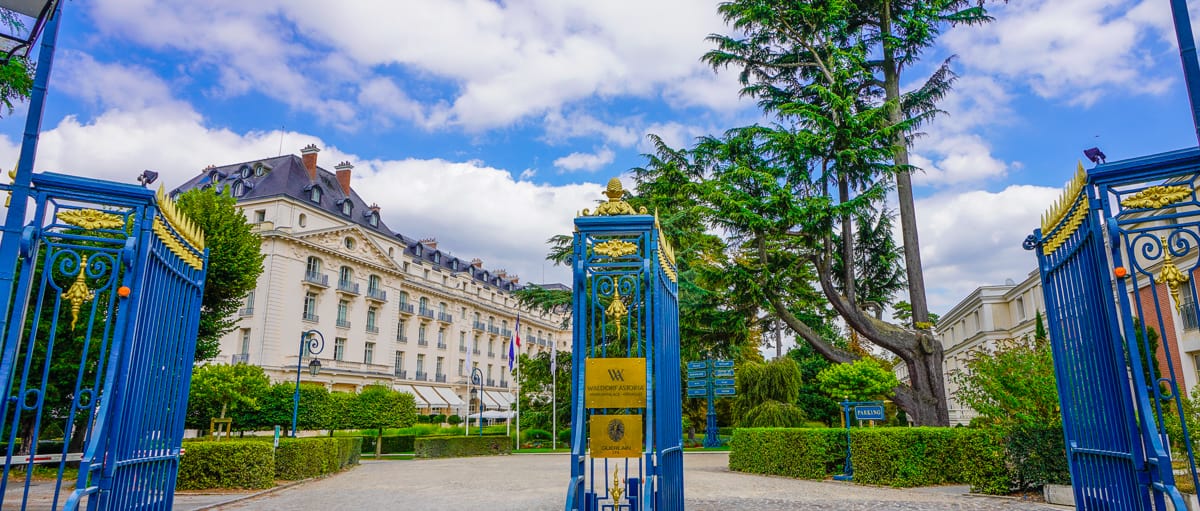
(313, 267)
(403, 299)
(239, 189)
(215, 177)
(489, 373)
(420, 363)
(245, 341)
(369, 353)
(440, 362)
(347, 207)
(477, 317)
(464, 313)
(441, 337)
(399, 361)
(244, 171)
(461, 366)
(250, 301)
(260, 215)
(391, 251)
(374, 282)
(339, 348)
(1187, 310)
(417, 249)
(373, 219)
(421, 334)
(492, 348)
(349, 243)
(345, 276)
(310, 306)
(343, 313)
(400, 330)
(315, 194)
(442, 307)
(371, 312)
(462, 341)
(303, 221)
(424, 304)
(260, 170)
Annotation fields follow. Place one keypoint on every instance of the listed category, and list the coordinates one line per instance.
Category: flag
(553, 358)
(514, 343)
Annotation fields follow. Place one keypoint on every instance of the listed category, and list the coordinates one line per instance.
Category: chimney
(477, 263)
(429, 242)
(515, 279)
(309, 155)
(375, 207)
(501, 273)
(343, 173)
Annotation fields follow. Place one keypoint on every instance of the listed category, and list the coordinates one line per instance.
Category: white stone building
(392, 309)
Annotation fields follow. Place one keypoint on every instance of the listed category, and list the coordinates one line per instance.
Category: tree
(234, 263)
(379, 407)
(862, 380)
(1012, 384)
(815, 404)
(16, 82)
(877, 273)
(536, 384)
(219, 388)
(767, 394)
(275, 408)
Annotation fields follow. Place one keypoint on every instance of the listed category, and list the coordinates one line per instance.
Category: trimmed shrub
(808, 453)
(454, 420)
(457, 446)
(302, 458)
(391, 444)
(349, 451)
(904, 457)
(564, 436)
(536, 434)
(1037, 456)
(982, 454)
(228, 464)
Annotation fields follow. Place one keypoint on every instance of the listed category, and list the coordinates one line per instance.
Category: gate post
(626, 369)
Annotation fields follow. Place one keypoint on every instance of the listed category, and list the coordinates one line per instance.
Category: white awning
(502, 399)
(421, 403)
(430, 396)
(449, 396)
(489, 401)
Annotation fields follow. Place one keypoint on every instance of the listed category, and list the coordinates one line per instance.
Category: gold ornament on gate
(616, 490)
(1170, 275)
(78, 292)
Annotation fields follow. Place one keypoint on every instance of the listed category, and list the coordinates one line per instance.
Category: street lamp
(22, 24)
(315, 342)
(477, 379)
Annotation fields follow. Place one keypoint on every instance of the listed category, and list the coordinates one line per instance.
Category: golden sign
(615, 436)
(615, 383)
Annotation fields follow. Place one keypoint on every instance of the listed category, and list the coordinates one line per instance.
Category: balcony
(316, 279)
(422, 376)
(239, 358)
(426, 313)
(441, 346)
(491, 354)
(491, 382)
(462, 348)
(248, 311)
(372, 329)
(311, 318)
(376, 294)
(350, 288)
(343, 323)
(402, 339)
(494, 330)
(406, 308)
(402, 374)
(503, 384)
(506, 333)
(475, 351)
(422, 342)
(440, 378)
(480, 326)
(445, 318)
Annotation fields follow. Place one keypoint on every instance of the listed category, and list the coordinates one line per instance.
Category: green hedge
(391, 444)
(806, 453)
(228, 464)
(457, 446)
(302, 458)
(349, 451)
(990, 460)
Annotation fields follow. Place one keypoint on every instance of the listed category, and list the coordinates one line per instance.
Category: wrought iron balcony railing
(376, 294)
(422, 376)
(462, 348)
(402, 374)
(440, 378)
(313, 318)
(248, 311)
(402, 339)
(422, 342)
(240, 358)
(348, 287)
(428, 313)
(491, 382)
(441, 346)
(319, 279)
(406, 308)
(372, 329)
(343, 323)
(445, 318)
(479, 325)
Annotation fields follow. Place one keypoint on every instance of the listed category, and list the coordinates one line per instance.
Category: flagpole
(553, 400)
(518, 399)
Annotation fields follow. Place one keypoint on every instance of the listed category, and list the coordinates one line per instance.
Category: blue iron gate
(98, 354)
(1117, 252)
(626, 307)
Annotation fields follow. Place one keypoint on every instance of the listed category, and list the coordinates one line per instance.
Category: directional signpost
(863, 411)
(710, 379)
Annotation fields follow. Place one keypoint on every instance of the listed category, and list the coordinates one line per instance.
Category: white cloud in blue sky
(490, 124)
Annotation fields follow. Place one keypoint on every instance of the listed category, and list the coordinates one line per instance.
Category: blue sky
(489, 124)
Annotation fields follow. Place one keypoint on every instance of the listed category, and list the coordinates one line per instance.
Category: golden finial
(615, 205)
(616, 491)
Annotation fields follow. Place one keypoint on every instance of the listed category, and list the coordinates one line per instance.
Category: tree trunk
(904, 195)
(379, 444)
(847, 243)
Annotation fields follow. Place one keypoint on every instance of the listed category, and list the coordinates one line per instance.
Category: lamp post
(315, 342)
(477, 379)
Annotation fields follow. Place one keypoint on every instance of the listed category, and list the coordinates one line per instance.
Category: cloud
(585, 161)
(561, 128)
(973, 238)
(1103, 48)
(951, 151)
(487, 64)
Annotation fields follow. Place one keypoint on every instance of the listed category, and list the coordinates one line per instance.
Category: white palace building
(392, 309)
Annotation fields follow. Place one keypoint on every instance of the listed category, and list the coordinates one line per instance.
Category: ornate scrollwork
(91, 219)
(79, 292)
(616, 310)
(1171, 276)
(615, 205)
(1156, 197)
(615, 248)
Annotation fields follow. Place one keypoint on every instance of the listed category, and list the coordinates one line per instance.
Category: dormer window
(373, 219)
(239, 188)
(417, 249)
(437, 257)
(244, 171)
(214, 177)
(315, 194)
(260, 170)
(347, 207)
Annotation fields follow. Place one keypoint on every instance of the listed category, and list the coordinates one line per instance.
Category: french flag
(514, 343)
